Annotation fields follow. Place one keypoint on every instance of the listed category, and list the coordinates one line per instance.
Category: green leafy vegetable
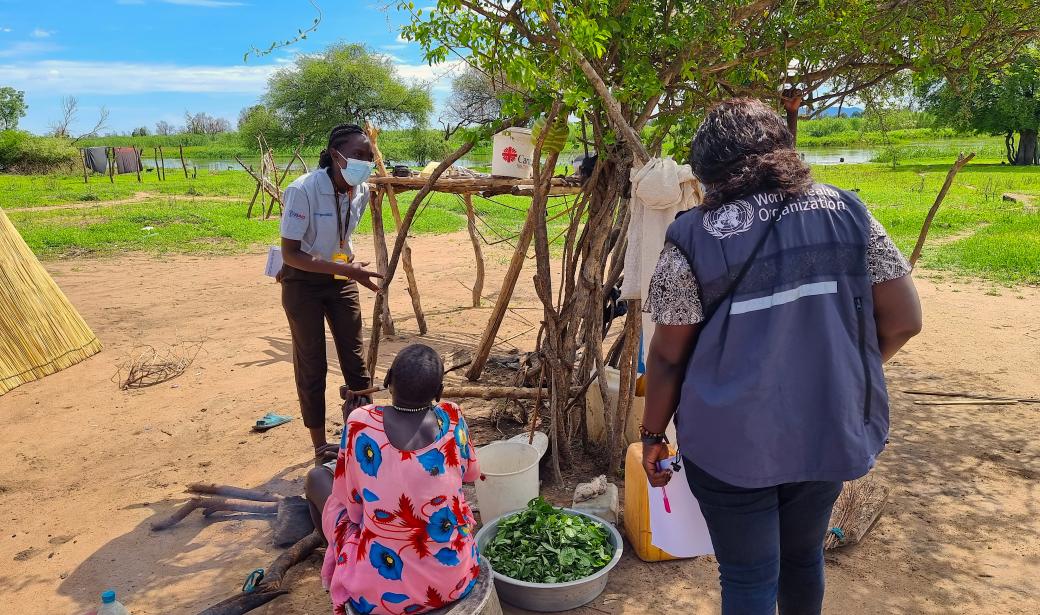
(545, 544)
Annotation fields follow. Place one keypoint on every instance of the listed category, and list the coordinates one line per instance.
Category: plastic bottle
(111, 606)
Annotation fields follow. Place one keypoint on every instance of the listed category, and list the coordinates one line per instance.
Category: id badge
(342, 259)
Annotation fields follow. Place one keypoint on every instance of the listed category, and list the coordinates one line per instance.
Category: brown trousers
(311, 299)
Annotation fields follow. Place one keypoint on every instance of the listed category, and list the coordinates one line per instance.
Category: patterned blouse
(675, 298)
(401, 532)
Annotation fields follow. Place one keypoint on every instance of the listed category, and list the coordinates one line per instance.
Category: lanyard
(341, 232)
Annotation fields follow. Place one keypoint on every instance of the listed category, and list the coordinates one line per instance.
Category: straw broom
(855, 512)
(40, 331)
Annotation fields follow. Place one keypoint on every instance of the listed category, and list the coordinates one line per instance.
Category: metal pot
(552, 597)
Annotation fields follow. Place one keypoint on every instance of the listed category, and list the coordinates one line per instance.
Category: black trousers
(310, 300)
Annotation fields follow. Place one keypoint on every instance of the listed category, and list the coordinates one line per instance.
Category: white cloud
(41, 33)
(27, 48)
(439, 76)
(69, 77)
(5, 29)
(75, 77)
(396, 47)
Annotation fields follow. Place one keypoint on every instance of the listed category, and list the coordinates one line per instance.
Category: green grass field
(976, 233)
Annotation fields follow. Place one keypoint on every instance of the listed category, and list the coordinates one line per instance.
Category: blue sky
(151, 60)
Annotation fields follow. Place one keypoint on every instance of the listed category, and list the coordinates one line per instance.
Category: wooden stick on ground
(178, 515)
(238, 493)
(957, 166)
(243, 603)
(275, 573)
(184, 165)
(406, 255)
(213, 505)
(471, 226)
(1025, 400)
(271, 586)
(969, 402)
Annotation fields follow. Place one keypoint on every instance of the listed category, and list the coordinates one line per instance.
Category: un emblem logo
(731, 219)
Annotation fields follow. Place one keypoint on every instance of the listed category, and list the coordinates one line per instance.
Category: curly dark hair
(743, 147)
(338, 135)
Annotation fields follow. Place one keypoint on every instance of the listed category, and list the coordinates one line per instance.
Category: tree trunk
(1027, 153)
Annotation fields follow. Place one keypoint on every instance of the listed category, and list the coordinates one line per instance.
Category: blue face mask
(356, 171)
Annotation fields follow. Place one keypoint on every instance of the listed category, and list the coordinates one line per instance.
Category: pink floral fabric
(400, 531)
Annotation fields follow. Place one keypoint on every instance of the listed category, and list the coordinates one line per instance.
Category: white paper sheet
(681, 532)
(274, 261)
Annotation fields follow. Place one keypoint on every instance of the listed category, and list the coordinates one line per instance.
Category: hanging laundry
(661, 189)
(97, 159)
(127, 160)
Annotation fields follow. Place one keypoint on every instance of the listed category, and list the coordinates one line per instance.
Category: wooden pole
(487, 339)
(162, 162)
(628, 365)
(266, 188)
(402, 236)
(409, 271)
(83, 159)
(252, 201)
(471, 226)
(158, 173)
(957, 166)
(382, 259)
(137, 154)
(494, 392)
(406, 256)
(184, 165)
(110, 154)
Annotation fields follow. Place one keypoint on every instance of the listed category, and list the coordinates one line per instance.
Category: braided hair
(338, 135)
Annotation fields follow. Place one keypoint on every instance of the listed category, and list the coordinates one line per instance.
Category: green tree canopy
(259, 120)
(664, 61)
(12, 107)
(1001, 100)
(345, 83)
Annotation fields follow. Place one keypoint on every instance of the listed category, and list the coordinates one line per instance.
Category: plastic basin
(552, 597)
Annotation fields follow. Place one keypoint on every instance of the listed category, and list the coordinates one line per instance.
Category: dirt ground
(85, 468)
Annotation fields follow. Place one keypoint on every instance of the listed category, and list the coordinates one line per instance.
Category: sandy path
(84, 467)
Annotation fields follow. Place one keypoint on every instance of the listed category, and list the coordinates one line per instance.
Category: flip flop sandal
(271, 421)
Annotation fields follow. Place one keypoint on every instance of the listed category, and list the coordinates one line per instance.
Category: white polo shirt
(310, 214)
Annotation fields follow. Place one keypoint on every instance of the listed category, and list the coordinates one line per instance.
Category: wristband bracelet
(650, 437)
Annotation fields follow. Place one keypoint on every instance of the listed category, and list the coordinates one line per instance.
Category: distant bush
(21, 152)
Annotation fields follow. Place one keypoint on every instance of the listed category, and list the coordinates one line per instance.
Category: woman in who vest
(776, 304)
(319, 278)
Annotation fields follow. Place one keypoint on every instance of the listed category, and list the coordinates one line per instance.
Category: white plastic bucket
(510, 480)
(512, 150)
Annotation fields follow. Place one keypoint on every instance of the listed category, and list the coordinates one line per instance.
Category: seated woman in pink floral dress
(399, 529)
